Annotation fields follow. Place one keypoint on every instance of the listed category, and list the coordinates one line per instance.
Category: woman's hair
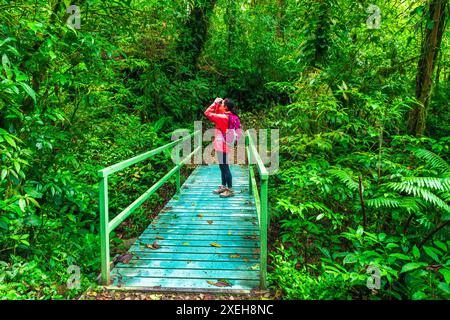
(230, 105)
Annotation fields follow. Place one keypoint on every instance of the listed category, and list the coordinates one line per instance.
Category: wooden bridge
(199, 242)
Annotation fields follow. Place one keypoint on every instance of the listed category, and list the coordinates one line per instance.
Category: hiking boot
(227, 193)
(220, 190)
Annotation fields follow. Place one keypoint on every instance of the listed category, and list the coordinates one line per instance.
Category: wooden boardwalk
(199, 241)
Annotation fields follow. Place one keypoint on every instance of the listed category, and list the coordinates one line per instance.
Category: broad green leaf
(350, 258)
(4, 173)
(416, 252)
(444, 287)
(10, 141)
(360, 231)
(412, 266)
(400, 256)
(429, 251)
(22, 204)
(441, 245)
(446, 273)
(28, 90)
(419, 295)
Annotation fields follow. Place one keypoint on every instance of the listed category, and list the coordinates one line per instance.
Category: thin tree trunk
(280, 17)
(322, 29)
(193, 38)
(430, 47)
(432, 233)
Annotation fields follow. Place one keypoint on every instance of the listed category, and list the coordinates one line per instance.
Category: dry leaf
(153, 246)
(246, 259)
(125, 258)
(220, 283)
(233, 256)
(215, 244)
(159, 238)
(185, 243)
(210, 221)
(229, 233)
(200, 215)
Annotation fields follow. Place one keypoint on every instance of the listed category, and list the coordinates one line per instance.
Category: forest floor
(104, 294)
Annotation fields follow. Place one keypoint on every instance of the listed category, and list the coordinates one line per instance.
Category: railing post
(249, 155)
(104, 230)
(178, 180)
(263, 231)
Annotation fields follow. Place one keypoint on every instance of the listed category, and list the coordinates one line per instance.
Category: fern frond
(432, 159)
(425, 194)
(345, 178)
(439, 184)
(410, 204)
(383, 202)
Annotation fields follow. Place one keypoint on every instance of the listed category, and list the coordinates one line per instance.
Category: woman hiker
(221, 112)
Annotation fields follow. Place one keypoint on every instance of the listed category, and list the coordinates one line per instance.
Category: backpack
(234, 131)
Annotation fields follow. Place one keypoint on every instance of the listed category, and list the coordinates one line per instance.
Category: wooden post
(104, 230)
(178, 180)
(264, 226)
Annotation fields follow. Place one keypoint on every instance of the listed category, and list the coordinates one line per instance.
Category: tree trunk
(322, 29)
(427, 62)
(280, 18)
(230, 21)
(195, 32)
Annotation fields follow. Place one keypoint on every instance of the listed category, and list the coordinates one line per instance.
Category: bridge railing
(107, 225)
(261, 201)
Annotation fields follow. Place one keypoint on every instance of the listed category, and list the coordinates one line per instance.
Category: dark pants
(225, 169)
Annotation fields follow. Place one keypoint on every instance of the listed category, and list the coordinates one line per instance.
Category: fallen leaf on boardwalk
(255, 267)
(246, 259)
(153, 246)
(125, 258)
(215, 244)
(159, 238)
(185, 243)
(166, 209)
(250, 237)
(233, 256)
(200, 215)
(256, 250)
(155, 297)
(220, 283)
(210, 221)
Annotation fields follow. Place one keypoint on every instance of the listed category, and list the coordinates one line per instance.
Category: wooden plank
(207, 274)
(194, 232)
(183, 284)
(204, 228)
(237, 264)
(243, 243)
(187, 256)
(197, 237)
(209, 214)
(192, 220)
(195, 250)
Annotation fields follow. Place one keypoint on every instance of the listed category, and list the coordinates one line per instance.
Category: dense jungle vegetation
(361, 101)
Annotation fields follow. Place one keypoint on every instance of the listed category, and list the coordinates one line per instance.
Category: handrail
(261, 202)
(106, 226)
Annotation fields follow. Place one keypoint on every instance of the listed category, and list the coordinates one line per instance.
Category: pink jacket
(221, 121)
